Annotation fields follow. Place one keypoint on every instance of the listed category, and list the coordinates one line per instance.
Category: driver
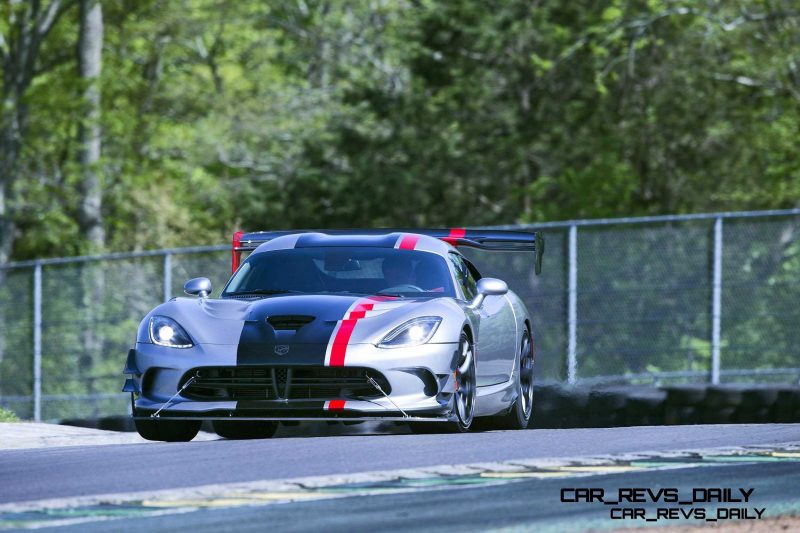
(398, 271)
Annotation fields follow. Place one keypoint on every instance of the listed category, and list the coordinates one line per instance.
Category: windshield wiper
(347, 292)
(261, 292)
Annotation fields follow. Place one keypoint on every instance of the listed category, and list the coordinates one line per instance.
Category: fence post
(37, 342)
(167, 276)
(572, 307)
(716, 301)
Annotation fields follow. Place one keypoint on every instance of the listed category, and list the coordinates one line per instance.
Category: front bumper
(419, 382)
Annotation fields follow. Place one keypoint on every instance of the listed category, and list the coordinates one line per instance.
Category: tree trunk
(90, 47)
(11, 123)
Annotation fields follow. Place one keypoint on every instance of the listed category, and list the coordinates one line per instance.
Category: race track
(527, 505)
(28, 476)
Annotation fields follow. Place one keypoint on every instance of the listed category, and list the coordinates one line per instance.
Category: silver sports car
(339, 325)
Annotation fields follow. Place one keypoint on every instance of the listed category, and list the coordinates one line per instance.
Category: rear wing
(482, 239)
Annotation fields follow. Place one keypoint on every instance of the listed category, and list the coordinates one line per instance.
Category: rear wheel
(167, 430)
(520, 413)
(244, 429)
(463, 398)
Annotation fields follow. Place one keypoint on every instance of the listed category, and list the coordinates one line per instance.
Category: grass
(8, 416)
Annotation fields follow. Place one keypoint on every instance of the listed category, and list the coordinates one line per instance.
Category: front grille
(282, 383)
(289, 322)
(281, 376)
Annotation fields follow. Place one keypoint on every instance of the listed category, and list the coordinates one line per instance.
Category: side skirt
(495, 399)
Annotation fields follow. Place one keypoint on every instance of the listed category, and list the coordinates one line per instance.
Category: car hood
(287, 319)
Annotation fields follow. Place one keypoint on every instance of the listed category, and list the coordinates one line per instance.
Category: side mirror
(198, 286)
(488, 287)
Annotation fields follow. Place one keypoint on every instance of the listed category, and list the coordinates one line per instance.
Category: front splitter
(309, 419)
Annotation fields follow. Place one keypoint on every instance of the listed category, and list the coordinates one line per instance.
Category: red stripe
(409, 242)
(455, 234)
(340, 342)
(236, 256)
(345, 331)
(336, 405)
(362, 307)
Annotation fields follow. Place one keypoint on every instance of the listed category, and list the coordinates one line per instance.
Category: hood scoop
(289, 322)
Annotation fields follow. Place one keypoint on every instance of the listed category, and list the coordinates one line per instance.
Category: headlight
(166, 332)
(412, 333)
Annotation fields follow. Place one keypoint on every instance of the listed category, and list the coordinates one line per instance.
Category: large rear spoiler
(483, 239)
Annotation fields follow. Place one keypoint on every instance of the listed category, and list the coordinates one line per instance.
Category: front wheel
(463, 397)
(167, 430)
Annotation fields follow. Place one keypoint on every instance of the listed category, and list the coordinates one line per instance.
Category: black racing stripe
(261, 344)
(253, 351)
(311, 240)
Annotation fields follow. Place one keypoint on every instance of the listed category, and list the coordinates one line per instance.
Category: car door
(496, 336)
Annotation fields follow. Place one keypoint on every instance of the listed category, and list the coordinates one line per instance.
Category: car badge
(281, 349)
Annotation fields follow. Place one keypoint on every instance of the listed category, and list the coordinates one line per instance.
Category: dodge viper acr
(339, 325)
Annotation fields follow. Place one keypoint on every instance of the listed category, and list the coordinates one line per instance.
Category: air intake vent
(221, 383)
(290, 322)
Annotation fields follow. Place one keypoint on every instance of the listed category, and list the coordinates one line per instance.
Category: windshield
(358, 270)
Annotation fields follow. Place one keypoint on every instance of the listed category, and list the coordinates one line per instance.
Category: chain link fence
(694, 298)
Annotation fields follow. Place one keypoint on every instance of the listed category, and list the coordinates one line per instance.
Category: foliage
(8, 416)
(225, 115)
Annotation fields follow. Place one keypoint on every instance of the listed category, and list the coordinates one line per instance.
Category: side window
(472, 270)
(464, 276)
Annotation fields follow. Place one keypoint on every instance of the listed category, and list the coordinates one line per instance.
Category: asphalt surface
(75, 471)
(531, 505)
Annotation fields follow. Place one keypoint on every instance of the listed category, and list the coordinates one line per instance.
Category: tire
(167, 430)
(247, 429)
(463, 410)
(519, 415)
